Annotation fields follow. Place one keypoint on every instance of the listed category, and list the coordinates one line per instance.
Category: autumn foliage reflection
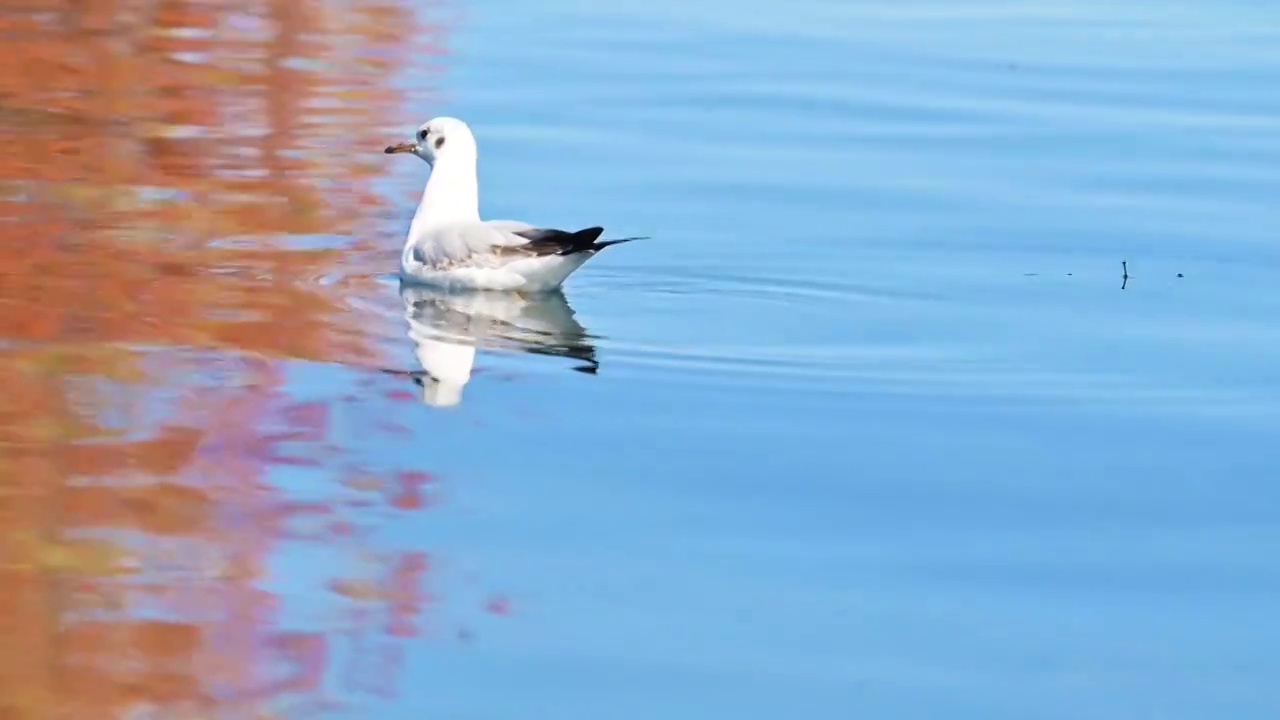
(179, 182)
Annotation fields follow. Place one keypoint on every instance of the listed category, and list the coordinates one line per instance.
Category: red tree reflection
(159, 162)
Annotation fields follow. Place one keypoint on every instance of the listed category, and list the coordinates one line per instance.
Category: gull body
(449, 246)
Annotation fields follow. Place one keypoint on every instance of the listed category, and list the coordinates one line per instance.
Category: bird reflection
(447, 327)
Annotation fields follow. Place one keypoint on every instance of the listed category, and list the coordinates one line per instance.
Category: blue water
(874, 425)
(876, 431)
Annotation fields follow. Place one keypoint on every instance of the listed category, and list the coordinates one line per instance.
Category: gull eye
(422, 134)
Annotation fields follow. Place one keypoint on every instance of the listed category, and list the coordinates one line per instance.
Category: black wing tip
(590, 234)
(617, 241)
(561, 242)
(583, 240)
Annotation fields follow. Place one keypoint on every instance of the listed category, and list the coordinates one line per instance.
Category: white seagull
(450, 246)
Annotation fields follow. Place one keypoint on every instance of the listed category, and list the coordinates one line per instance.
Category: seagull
(450, 246)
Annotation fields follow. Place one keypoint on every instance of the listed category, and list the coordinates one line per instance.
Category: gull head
(438, 138)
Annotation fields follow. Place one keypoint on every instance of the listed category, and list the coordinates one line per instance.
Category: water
(873, 426)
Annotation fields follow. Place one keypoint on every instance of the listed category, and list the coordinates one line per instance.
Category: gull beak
(403, 147)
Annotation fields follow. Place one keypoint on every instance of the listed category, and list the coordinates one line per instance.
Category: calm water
(873, 426)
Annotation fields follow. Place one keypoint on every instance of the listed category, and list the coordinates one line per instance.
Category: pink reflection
(156, 294)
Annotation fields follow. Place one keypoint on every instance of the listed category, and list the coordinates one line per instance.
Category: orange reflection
(161, 164)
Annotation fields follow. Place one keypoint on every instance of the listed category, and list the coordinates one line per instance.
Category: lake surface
(947, 385)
